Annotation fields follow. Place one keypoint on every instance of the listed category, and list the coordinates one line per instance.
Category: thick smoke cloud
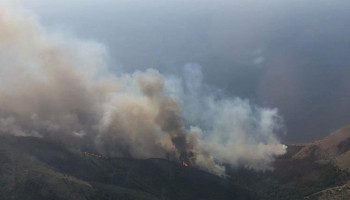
(293, 55)
(59, 88)
(233, 130)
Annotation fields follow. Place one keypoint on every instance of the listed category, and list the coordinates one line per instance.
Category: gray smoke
(59, 88)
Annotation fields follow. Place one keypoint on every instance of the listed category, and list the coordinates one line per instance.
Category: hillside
(317, 170)
(32, 168)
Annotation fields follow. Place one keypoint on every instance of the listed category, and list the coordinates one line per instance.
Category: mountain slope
(335, 193)
(330, 147)
(33, 168)
(317, 170)
(334, 148)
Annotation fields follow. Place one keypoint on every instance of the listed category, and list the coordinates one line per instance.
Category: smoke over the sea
(60, 88)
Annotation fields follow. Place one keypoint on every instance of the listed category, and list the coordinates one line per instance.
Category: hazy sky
(293, 55)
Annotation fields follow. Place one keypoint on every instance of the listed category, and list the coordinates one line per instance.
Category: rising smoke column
(59, 88)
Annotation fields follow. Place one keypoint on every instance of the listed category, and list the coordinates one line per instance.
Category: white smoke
(232, 130)
(60, 88)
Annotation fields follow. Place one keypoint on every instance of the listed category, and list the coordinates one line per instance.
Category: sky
(291, 55)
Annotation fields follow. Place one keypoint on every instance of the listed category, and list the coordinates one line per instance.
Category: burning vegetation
(60, 88)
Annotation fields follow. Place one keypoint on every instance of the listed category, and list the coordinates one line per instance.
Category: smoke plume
(60, 88)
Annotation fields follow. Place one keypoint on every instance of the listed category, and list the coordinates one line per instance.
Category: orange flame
(184, 164)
